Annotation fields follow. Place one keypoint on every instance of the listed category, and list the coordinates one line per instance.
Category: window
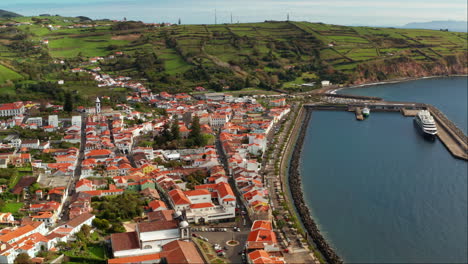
(148, 247)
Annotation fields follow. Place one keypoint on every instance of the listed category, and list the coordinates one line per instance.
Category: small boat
(366, 112)
(426, 124)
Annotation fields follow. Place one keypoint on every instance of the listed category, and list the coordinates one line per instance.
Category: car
(194, 235)
(219, 250)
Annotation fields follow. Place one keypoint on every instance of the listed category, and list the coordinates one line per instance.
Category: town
(180, 181)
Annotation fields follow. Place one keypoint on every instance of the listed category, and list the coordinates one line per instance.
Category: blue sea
(379, 192)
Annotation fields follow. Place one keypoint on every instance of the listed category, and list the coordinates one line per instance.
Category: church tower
(98, 105)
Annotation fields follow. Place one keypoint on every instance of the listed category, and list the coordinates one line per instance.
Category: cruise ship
(426, 124)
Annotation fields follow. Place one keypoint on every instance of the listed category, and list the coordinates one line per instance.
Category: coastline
(293, 183)
(291, 175)
(397, 80)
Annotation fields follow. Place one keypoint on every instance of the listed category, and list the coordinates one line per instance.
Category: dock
(448, 133)
(359, 115)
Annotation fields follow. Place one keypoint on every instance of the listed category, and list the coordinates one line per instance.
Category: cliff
(404, 67)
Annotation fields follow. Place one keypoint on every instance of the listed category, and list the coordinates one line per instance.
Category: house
(48, 218)
(278, 102)
(262, 237)
(6, 218)
(30, 143)
(326, 83)
(264, 257)
(75, 224)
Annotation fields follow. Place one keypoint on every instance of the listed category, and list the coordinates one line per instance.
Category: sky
(343, 12)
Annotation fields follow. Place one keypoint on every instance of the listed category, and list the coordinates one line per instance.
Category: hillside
(231, 56)
(8, 14)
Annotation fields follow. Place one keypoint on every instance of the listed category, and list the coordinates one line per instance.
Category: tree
(179, 21)
(117, 228)
(68, 104)
(23, 258)
(195, 136)
(101, 224)
(175, 129)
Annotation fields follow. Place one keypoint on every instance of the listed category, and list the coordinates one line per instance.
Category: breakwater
(295, 186)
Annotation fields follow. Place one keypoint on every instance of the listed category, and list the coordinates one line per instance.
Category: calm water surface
(380, 193)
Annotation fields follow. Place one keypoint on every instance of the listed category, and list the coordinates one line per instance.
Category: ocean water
(379, 192)
(449, 94)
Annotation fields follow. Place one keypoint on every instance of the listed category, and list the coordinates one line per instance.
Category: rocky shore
(298, 197)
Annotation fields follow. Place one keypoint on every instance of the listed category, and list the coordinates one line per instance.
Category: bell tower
(98, 105)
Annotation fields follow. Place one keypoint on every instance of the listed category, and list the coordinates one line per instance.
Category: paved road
(232, 252)
(298, 254)
(76, 173)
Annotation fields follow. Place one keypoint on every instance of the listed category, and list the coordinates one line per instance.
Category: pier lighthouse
(98, 106)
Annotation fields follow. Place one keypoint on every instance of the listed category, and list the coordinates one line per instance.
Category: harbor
(448, 133)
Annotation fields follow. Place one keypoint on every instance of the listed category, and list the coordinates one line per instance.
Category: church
(150, 236)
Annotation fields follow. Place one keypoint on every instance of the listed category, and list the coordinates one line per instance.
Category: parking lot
(222, 237)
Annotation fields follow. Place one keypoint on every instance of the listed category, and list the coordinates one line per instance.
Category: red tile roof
(197, 192)
(124, 241)
(181, 252)
(153, 258)
(201, 205)
(179, 197)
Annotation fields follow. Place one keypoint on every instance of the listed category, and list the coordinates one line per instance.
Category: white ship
(426, 124)
(366, 112)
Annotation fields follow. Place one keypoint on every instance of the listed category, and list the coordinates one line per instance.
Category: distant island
(8, 14)
(451, 25)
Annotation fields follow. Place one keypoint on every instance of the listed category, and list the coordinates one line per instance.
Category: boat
(366, 112)
(426, 124)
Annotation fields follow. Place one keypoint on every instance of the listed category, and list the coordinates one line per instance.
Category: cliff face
(404, 67)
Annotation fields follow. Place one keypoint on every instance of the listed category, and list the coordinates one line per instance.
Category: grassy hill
(265, 55)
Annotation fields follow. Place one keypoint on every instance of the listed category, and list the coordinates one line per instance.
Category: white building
(218, 120)
(53, 120)
(150, 237)
(34, 120)
(76, 121)
(12, 109)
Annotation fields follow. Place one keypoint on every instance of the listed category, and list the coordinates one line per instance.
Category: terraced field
(264, 53)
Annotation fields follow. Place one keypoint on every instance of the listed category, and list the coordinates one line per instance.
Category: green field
(92, 46)
(11, 207)
(8, 74)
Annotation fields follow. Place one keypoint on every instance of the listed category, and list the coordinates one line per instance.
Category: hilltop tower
(98, 105)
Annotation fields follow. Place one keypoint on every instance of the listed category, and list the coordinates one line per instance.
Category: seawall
(296, 191)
